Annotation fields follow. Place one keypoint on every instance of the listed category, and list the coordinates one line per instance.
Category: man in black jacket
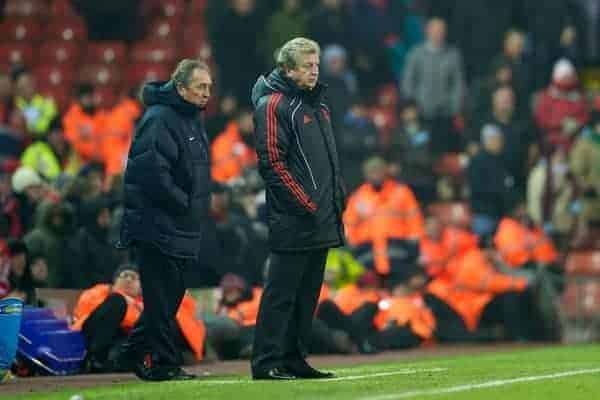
(299, 163)
(167, 196)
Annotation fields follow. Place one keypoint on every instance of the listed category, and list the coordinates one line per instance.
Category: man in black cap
(167, 197)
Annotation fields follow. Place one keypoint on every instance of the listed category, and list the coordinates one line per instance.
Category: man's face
(410, 115)
(25, 86)
(246, 123)
(197, 91)
(306, 74)
(514, 44)
(103, 219)
(377, 175)
(5, 86)
(433, 229)
(232, 296)
(129, 282)
(88, 102)
(34, 193)
(18, 262)
(504, 75)
(504, 101)
(243, 7)
(436, 32)
(494, 144)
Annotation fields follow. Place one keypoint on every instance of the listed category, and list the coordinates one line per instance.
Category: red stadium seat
(21, 29)
(581, 300)
(198, 7)
(456, 213)
(68, 29)
(100, 74)
(106, 96)
(583, 263)
(17, 53)
(164, 29)
(61, 96)
(172, 8)
(106, 53)
(54, 78)
(154, 51)
(62, 8)
(139, 73)
(194, 32)
(199, 50)
(59, 52)
(25, 8)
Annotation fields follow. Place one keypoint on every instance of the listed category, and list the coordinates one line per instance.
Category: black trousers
(287, 306)
(163, 288)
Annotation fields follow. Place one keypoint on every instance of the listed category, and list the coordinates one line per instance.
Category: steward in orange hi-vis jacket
(118, 132)
(381, 216)
(471, 293)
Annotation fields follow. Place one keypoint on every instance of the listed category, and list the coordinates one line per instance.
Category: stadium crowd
(432, 101)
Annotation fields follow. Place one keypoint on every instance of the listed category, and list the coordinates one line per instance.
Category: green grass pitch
(568, 373)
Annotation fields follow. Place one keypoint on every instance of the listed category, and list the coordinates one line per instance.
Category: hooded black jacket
(167, 179)
(299, 163)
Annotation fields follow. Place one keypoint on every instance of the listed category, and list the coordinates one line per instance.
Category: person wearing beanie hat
(29, 191)
(562, 108)
(25, 178)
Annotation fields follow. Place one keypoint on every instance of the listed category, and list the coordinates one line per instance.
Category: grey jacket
(435, 80)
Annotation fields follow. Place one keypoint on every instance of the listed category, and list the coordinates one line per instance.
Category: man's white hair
(288, 57)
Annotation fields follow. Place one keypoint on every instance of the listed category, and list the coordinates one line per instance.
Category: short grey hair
(184, 70)
(288, 57)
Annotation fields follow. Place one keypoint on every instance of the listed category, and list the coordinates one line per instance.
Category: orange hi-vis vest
(454, 242)
(245, 313)
(192, 328)
(470, 283)
(433, 255)
(406, 310)
(85, 132)
(518, 245)
(350, 298)
(119, 129)
(230, 156)
(93, 298)
(376, 217)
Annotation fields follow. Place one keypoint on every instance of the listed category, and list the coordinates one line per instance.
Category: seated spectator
(233, 151)
(410, 154)
(84, 125)
(513, 55)
(106, 314)
(522, 244)
(551, 195)
(433, 77)
(470, 296)
(584, 159)
(490, 183)
(39, 111)
(357, 140)
(21, 279)
(90, 258)
(383, 222)
(29, 191)
(10, 214)
(49, 238)
(53, 156)
(403, 320)
(562, 108)
(341, 268)
(226, 111)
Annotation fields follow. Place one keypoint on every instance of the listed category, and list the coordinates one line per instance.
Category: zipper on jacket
(312, 177)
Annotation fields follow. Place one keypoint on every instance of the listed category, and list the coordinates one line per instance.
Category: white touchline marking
(483, 385)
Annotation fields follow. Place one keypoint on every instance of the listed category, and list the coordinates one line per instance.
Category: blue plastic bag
(11, 310)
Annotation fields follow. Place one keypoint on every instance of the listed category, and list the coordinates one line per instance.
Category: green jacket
(585, 160)
(39, 113)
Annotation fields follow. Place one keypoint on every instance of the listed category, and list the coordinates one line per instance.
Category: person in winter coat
(167, 197)
(562, 109)
(305, 199)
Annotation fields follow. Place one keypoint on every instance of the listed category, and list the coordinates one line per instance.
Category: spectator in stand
(433, 77)
(227, 110)
(112, 19)
(585, 165)
(84, 125)
(513, 55)
(357, 140)
(53, 156)
(11, 225)
(38, 110)
(477, 27)
(329, 23)
(288, 22)
(235, 38)
(384, 223)
(89, 257)
(490, 183)
(551, 190)
(341, 82)
(6, 98)
(48, 240)
(588, 26)
(233, 151)
(410, 153)
(562, 109)
(29, 191)
(552, 29)
(520, 145)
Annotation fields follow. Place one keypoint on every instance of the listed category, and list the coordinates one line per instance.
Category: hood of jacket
(165, 93)
(277, 82)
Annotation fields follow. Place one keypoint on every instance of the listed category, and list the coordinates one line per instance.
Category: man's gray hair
(288, 57)
(184, 70)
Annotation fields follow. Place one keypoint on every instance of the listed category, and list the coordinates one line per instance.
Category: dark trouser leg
(450, 326)
(511, 310)
(103, 326)
(163, 288)
(280, 319)
(396, 338)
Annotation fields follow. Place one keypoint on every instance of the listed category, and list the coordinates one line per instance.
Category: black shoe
(275, 374)
(160, 374)
(304, 371)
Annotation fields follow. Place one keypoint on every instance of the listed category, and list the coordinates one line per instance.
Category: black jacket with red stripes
(299, 163)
